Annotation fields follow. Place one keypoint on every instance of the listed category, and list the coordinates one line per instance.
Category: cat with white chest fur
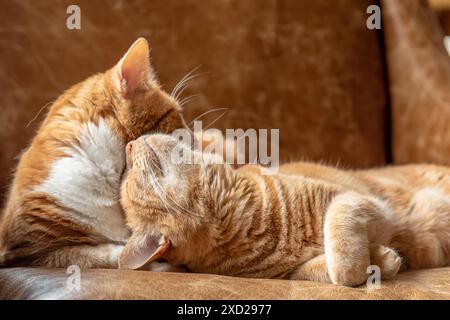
(63, 206)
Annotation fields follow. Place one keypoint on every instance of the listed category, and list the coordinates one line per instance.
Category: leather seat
(44, 283)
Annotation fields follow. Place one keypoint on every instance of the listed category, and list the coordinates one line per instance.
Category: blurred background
(339, 92)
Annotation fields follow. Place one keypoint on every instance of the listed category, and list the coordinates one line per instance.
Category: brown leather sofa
(339, 92)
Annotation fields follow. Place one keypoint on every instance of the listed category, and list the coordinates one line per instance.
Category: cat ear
(134, 71)
(142, 249)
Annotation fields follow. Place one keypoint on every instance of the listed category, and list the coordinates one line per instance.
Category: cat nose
(129, 146)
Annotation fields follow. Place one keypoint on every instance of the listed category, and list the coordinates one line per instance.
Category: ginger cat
(308, 221)
(63, 205)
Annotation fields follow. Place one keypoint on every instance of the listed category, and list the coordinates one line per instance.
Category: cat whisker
(205, 113)
(186, 126)
(176, 96)
(165, 198)
(183, 80)
(175, 204)
(188, 99)
(38, 113)
(215, 120)
(185, 85)
(157, 188)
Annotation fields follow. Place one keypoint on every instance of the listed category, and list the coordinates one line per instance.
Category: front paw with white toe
(387, 259)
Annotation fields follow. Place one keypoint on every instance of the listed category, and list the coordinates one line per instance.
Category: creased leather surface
(36, 283)
(310, 67)
(419, 73)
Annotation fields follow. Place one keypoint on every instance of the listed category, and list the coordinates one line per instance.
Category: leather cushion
(41, 283)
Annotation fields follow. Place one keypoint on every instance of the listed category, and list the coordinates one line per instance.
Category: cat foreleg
(99, 256)
(354, 224)
(314, 269)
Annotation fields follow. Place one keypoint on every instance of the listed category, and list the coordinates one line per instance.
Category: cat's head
(127, 96)
(165, 194)
(140, 105)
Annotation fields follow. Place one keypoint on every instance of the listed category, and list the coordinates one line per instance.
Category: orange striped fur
(63, 204)
(308, 221)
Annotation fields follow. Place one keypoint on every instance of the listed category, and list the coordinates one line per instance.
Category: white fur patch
(88, 180)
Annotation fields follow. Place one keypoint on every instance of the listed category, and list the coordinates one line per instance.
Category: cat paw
(348, 278)
(387, 259)
(348, 272)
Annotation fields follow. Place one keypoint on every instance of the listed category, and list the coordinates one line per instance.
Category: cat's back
(60, 131)
(412, 177)
(340, 178)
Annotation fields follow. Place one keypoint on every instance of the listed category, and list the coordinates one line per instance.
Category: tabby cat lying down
(307, 222)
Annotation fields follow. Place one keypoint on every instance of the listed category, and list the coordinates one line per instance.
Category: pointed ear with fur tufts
(143, 249)
(134, 71)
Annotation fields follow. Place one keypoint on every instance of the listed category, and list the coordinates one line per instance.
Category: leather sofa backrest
(309, 68)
